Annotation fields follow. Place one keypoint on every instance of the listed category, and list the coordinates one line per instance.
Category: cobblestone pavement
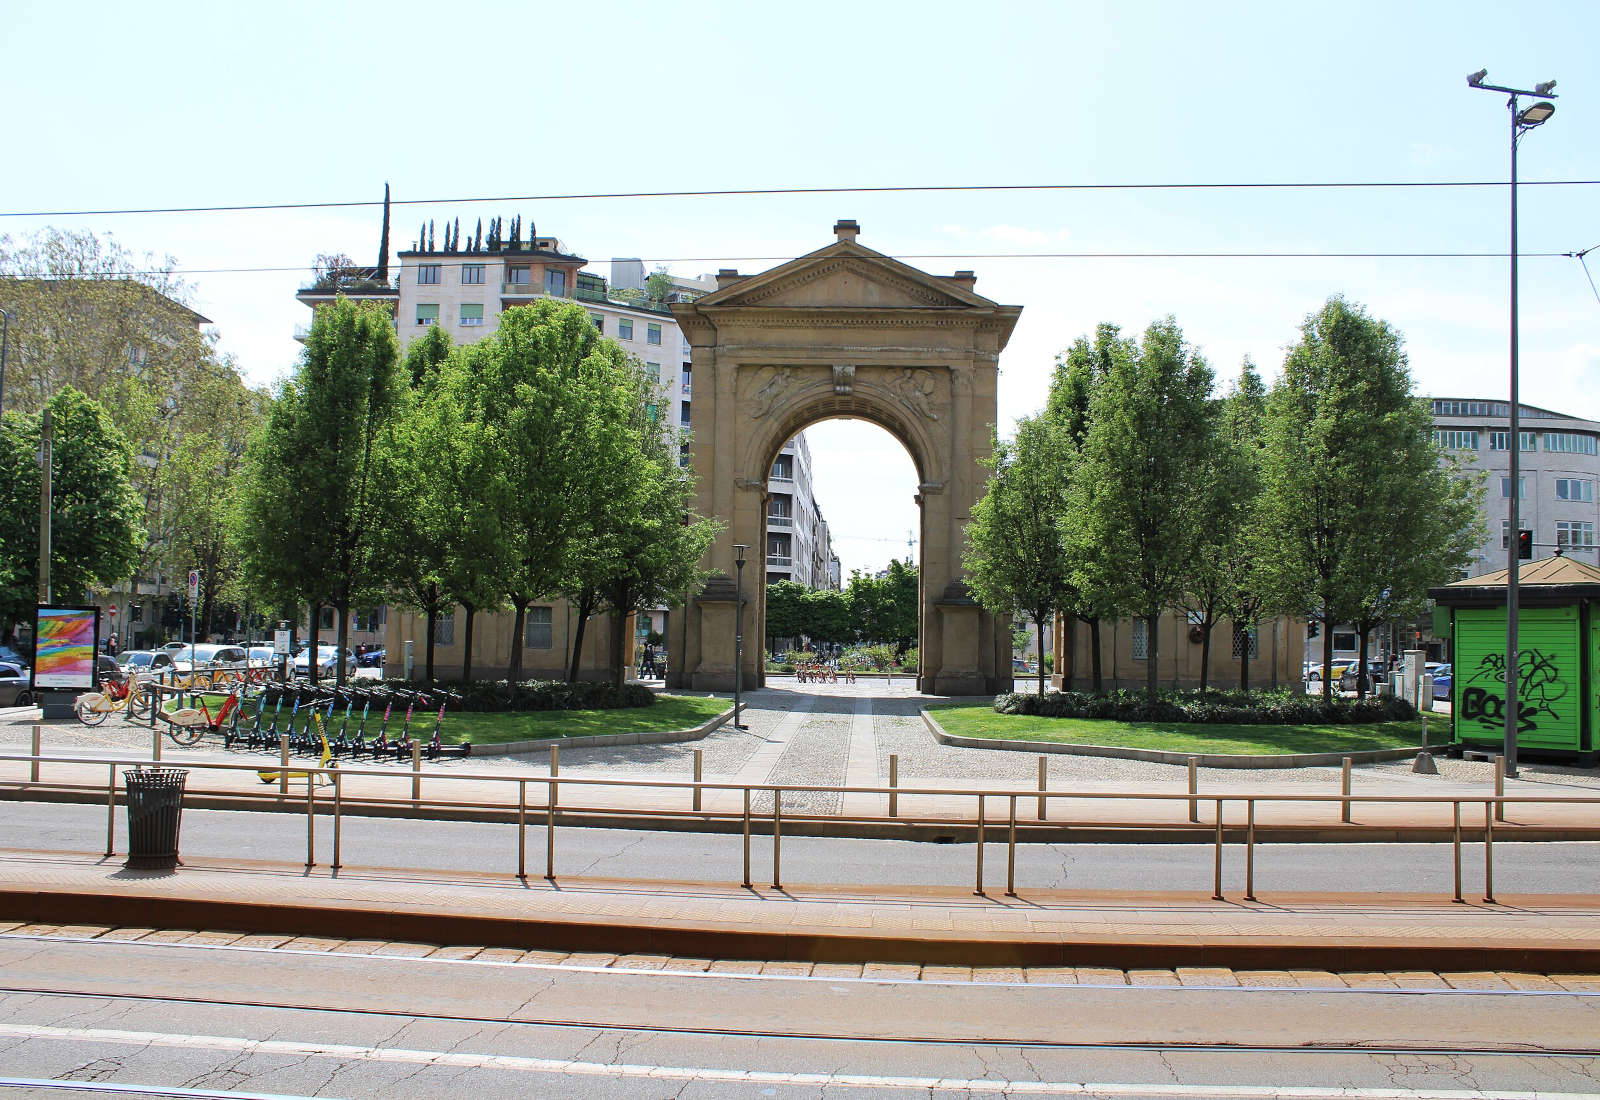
(830, 734)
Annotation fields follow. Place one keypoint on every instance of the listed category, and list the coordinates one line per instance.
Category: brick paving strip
(1307, 934)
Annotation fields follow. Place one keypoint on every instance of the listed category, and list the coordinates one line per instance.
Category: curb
(815, 945)
(1162, 756)
(511, 748)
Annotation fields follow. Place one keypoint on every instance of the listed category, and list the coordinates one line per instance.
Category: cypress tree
(383, 240)
(430, 234)
(477, 240)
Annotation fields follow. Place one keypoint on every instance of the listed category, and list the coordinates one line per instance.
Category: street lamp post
(5, 331)
(1535, 114)
(739, 549)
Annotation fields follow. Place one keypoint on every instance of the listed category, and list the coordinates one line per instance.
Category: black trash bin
(155, 809)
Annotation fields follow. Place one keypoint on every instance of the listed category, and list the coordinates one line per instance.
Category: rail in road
(994, 816)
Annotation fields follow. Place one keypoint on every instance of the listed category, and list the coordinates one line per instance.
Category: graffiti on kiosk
(1539, 688)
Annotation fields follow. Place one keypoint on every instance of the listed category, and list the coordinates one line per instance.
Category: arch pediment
(845, 276)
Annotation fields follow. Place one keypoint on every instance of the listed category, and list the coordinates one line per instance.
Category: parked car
(173, 647)
(1377, 673)
(1443, 679)
(1314, 671)
(327, 661)
(144, 661)
(11, 656)
(14, 689)
(208, 656)
(372, 658)
(106, 668)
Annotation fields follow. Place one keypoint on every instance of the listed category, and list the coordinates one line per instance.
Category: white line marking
(464, 1060)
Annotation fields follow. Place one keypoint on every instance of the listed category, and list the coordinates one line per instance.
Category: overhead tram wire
(474, 258)
(1583, 259)
(1269, 185)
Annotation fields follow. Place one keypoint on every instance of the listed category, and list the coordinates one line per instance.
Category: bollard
(338, 803)
(33, 772)
(1043, 811)
(416, 771)
(155, 745)
(1488, 855)
(777, 836)
(283, 755)
(1499, 787)
(894, 781)
(111, 809)
(1344, 812)
(746, 882)
(699, 774)
(1194, 786)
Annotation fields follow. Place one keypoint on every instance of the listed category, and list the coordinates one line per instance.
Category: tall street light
(1535, 114)
(738, 630)
(5, 331)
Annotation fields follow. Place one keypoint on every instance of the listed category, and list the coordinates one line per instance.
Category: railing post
(522, 828)
(1488, 854)
(1011, 850)
(699, 774)
(777, 835)
(1216, 893)
(1043, 809)
(550, 824)
(338, 802)
(283, 758)
(1499, 787)
(746, 883)
(311, 820)
(894, 781)
(33, 770)
(1344, 788)
(978, 885)
(416, 771)
(111, 809)
(1457, 806)
(1194, 787)
(1250, 851)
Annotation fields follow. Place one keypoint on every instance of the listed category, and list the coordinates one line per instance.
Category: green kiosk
(1558, 634)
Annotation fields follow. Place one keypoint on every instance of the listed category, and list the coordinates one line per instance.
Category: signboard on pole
(65, 643)
(280, 640)
(194, 585)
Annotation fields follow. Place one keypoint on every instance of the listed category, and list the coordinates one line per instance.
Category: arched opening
(842, 504)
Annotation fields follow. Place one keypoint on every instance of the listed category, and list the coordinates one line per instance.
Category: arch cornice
(869, 400)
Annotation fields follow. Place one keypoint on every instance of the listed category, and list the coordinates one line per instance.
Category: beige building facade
(1274, 648)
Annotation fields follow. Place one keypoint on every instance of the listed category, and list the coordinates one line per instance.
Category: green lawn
(981, 720)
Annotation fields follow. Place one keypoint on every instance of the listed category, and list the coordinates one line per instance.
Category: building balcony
(686, 386)
(780, 521)
(302, 332)
(780, 561)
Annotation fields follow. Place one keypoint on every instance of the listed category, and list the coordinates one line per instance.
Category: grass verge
(980, 720)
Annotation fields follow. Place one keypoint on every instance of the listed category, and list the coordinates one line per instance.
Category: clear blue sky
(115, 106)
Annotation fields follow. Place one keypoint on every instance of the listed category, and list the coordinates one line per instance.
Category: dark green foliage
(499, 696)
(1239, 708)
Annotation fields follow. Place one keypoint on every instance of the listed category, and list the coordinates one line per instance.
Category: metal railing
(750, 822)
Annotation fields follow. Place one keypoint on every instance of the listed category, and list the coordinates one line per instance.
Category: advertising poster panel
(66, 640)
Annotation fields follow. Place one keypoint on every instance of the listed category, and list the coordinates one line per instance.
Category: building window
(1345, 643)
(518, 276)
(136, 613)
(599, 323)
(427, 314)
(1505, 487)
(688, 378)
(1569, 488)
(428, 274)
(444, 629)
(1570, 443)
(783, 468)
(471, 314)
(1246, 639)
(370, 619)
(1141, 640)
(326, 619)
(471, 274)
(1469, 408)
(625, 328)
(652, 334)
(1505, 534)
(1453, 439)
(683, 417)
(541, 634)
(654, 371)
(1501, 441)
(555, 283)
(1575, 533)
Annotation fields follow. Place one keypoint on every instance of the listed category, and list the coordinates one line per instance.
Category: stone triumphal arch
(843, 332)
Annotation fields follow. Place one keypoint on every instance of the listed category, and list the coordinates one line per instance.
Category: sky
(116, 106)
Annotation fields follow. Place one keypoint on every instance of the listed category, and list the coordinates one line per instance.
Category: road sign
(280, 640)
(113, 610)
(194, 585)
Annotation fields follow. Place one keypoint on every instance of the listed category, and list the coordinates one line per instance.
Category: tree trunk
(1094, 652)
(466, 652)
(342, 633)
(1038, 625)
(1242, 633)
(514, 671)
(586, 602)
(1205, 656)
(316, 626)
(1152, 656)
(1361, 663)
(619, 647)
(433, 620)
(1067, 643)
(1327, 659)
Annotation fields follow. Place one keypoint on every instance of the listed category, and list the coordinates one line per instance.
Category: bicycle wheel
(139, 705)
(185, 735)
(88, 715)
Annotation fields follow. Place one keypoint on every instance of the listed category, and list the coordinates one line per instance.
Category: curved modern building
(1560, 465)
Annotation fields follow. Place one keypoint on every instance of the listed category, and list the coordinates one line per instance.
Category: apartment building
(799, 547)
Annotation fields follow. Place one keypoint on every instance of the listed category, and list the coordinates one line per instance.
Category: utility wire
(1583, 259)
(1284, 185)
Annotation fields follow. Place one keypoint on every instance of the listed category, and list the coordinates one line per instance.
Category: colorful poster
(65, 641)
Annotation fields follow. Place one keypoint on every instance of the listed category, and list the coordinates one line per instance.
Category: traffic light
(1525, 544)
(1312, 628)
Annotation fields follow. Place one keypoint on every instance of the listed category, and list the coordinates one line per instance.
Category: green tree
(1144, 455)
(323, 466)
(1243, 558)
(785, 611)
(94, 513)
(1363, 511)
(828, 617)
(1015, 557)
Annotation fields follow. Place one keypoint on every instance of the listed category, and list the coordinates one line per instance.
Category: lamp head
(1535, 115)
(1544, 89)
(1475, 79)
(738, 551)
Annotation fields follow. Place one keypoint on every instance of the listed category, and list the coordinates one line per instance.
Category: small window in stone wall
(540, 634)
(1141, 640)
(444, 629)
(1246, 638)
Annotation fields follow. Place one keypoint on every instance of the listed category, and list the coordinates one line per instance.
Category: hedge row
(494, 696)
(1264, 708)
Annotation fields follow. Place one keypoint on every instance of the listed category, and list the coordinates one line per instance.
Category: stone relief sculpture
(914, 387)
(777, 382)
(844, 378)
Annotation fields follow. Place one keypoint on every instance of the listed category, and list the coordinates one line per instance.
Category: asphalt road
(223, 1020)
(1553, 868)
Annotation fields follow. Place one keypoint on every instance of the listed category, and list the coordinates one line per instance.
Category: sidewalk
(816, 924)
